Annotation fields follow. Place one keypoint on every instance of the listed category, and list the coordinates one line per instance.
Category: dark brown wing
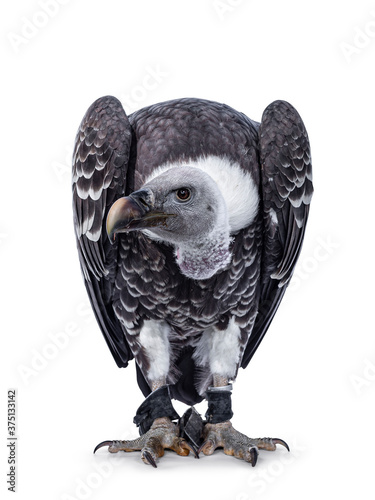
(100, 167)
(286, 180)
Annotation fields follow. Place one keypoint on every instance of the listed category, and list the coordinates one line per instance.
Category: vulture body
(189, 220)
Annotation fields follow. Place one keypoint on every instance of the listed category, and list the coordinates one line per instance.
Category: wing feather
(286, 178)
(100, 165)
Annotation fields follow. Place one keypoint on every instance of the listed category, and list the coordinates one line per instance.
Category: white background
(312, 382)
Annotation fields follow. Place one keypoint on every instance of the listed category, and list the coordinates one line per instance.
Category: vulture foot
(223, 435)
(162, 435)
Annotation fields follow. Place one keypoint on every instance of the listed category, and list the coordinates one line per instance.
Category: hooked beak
(134, 212)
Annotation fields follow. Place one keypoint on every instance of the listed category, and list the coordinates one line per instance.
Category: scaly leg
(221, 352)
(223, 435)
(154, 417)
(162, 435)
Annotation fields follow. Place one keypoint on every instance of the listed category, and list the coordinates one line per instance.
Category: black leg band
(157, 404)
(219, 405)
(191, 427)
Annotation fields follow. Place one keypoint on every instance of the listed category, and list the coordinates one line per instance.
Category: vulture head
(183, 207)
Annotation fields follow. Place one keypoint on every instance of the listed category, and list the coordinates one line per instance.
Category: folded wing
(100, 168)
(286, 183)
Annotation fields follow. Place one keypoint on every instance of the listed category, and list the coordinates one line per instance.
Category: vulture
(189, 219)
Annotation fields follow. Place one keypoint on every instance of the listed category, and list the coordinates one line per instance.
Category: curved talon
(162, 435)
(149, 459)
(254, 453)
(201, 447)
(209, 445)
(102, 444)
(183, 448)
(234, 443)
(280, 441)
(193, 450)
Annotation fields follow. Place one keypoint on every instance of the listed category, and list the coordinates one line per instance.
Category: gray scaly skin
(162, 435)
(234, 443)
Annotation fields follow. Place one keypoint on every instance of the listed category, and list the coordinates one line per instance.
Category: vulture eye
(183, 194)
